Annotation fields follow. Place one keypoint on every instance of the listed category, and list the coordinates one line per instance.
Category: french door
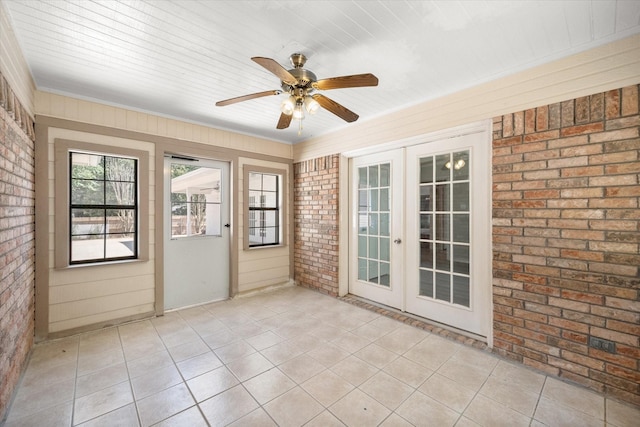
(439, 267)
(376, 228)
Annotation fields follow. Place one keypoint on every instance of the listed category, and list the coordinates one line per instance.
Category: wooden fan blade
(276, 69)
(285, 121)
(356, 80)
(337, 109)
(247, 97)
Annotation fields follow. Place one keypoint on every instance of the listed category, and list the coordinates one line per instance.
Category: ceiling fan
(301, 85)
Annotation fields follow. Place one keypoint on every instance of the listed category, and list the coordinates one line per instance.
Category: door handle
(227, 225)
(397, 241)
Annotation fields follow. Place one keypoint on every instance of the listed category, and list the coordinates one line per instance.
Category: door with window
(420, 239)
(376, 228)
(197, 231)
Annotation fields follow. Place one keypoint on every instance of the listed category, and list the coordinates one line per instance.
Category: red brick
(630, 100)
(582, 129)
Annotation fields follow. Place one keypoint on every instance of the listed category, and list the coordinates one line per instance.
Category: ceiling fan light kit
(301, 84)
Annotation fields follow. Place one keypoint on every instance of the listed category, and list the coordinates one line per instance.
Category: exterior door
(376, 228)
(448, 233)
(196, 230)
(433, 200)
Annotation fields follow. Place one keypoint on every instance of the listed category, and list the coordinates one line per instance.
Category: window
(195, 201)
(101, 203)
(264, 207)
(103, 208)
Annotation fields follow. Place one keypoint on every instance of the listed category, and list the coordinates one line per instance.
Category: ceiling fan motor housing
(305, 79)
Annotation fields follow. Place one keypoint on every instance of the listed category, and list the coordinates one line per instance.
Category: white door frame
(485, 127)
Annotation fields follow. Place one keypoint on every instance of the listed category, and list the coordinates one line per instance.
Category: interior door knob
(397, 241)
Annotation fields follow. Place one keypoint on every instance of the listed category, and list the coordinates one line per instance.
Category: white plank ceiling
(177, 58)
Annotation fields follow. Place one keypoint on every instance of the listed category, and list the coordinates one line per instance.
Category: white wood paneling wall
(607, 67)
(64, 107)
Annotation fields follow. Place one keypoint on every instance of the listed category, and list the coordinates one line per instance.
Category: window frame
(63, 205)
(250, 215)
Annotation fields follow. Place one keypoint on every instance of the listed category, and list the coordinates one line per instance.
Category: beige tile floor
(290, 357)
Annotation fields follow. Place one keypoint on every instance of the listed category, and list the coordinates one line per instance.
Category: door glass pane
(460, 199)
(426, 198)
(443, 287)
(374, 223)
(384, 249)
(450, 223)
(426, 254)
(426, 170)
(461, 259)
(384, 224)
(461, 166)
(426, 283)
(461, 228)
(196, 199)
(443, 165)
(384, 274)
(442, 227)
(385, 175)
(442, 256)
(442, 197)
(425, 226)
(461, 294)
(373, 176)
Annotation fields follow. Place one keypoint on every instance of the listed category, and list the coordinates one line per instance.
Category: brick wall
(566, 230)
(17, 245)
(316, 224)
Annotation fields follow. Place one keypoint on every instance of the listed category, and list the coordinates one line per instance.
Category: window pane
(86, 248)
(87, 222)
(426, 170)
(121, 221)
(86, 166)
(120, 193)
(461, 259)
(460, 199)
(461, 228)
(425, 226)
(443, 165)
(461, 165)
(269, 182)
(362, 246)
(270, 235)
(87, 192)
(255, 181)
(442, 227)
(373, 199)
(385, 175)
(384, 200)
(426, 198)
(362, 269)
(373, 224)
(426, 283)
(373, 176)
(442, 197)
(384, 249)
(270, 219)
(119, 169)
(384, 224)
(461, 291)
(373, 247)
(426, 254)
(373, 272)
(385, 278)
(442, 256)
(120, 245)
(363, 202)
(363, 182)
(443, 287)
